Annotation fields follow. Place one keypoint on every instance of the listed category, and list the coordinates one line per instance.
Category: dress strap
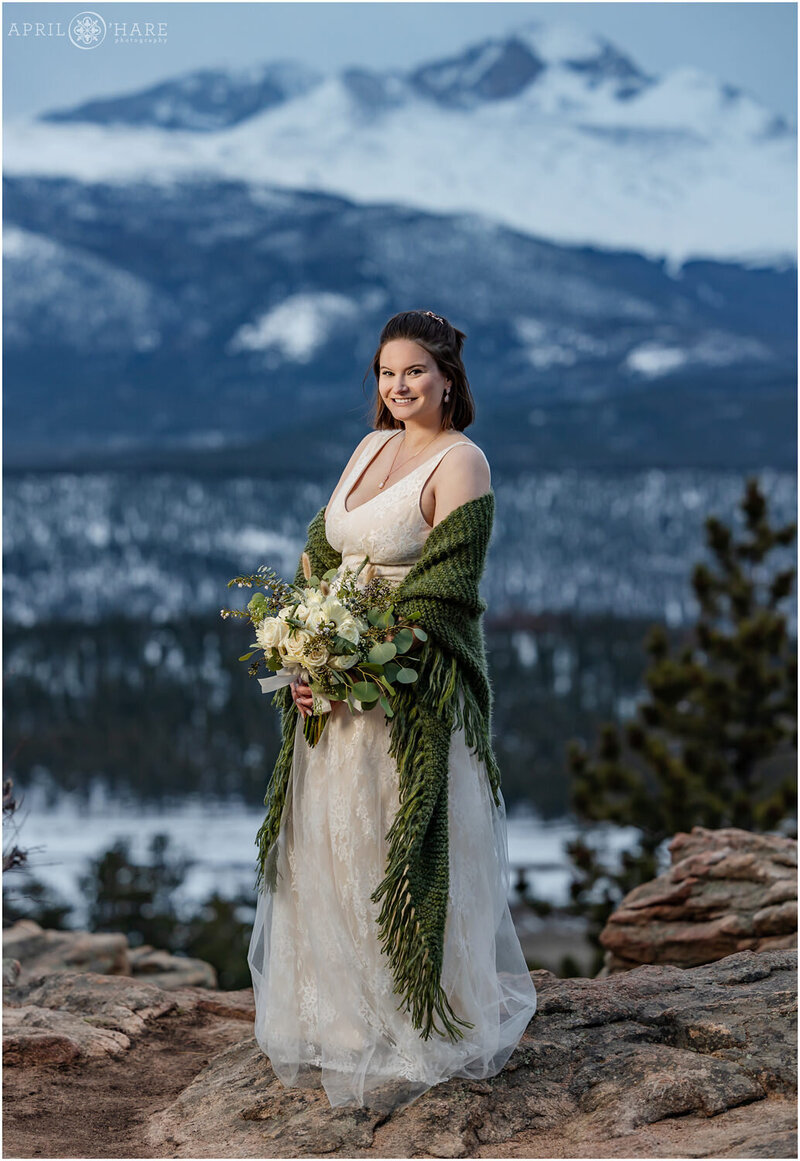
(434, 462)
(422, 472)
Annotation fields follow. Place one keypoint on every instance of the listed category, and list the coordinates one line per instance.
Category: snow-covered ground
(86, 545)
(61, 837)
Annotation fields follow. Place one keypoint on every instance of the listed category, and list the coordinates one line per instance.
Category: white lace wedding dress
(325, 1010)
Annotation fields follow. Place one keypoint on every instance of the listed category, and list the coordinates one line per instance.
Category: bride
(327, 1011)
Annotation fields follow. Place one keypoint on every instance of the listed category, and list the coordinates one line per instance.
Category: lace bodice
(390, 528)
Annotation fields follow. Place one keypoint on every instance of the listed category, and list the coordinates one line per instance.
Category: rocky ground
(654, 1062)
(111, 1051)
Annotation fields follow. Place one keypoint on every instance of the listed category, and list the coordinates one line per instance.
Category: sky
(750, 45)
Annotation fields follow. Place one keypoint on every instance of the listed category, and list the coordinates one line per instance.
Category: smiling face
(411, 384)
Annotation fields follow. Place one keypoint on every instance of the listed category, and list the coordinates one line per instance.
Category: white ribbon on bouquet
(286, 676)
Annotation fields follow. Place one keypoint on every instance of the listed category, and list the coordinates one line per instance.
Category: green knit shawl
(440, 592)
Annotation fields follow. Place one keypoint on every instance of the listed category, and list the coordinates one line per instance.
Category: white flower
(271, 633)
(292, 649)
(334, 610)
(316, 618)
(315, 656)
(348, 629)
(344, 661)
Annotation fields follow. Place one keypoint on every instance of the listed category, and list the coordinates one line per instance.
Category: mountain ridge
(546, 129)
(148, 316)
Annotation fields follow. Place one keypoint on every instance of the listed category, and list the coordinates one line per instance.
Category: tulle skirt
(326, 1014)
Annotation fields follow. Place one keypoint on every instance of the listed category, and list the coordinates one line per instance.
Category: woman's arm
(462, 475)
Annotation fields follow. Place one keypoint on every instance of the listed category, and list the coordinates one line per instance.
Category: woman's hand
(302, 696)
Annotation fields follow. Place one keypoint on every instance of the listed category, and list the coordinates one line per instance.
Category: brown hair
(440, 339)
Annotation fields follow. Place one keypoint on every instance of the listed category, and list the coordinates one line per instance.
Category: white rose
(293, 647)
(271, 632)
(345, 661)
(349, 629)
(315, 656)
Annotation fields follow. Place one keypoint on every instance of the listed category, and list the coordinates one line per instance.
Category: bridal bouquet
(340, 638)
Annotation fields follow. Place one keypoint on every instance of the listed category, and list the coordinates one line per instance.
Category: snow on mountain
(200, 101)
(296, 327)
(83, 301)
(548, 130)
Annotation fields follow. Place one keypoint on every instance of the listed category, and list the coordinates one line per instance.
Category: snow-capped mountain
(547, 130)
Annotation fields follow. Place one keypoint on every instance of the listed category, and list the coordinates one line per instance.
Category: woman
(326, 1002)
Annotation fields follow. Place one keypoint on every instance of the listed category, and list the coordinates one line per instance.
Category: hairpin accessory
(432, 315)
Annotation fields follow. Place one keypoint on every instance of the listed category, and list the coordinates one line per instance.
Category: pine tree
(136, 899)
(694, 755)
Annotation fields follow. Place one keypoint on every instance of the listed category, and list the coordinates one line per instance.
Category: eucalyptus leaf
(365, 691)
(387, 707)
(403, 640)
(406, 676)
(382, 652)
(419, 633)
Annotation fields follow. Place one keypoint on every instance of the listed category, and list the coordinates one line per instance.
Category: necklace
(408, 461)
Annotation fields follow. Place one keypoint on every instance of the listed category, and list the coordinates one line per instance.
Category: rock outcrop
(659, 1061)
(72, 1017)
(726, 891)
(653, 1062)
(40, 951)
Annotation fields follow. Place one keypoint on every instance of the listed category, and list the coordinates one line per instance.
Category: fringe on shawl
(275, 798)
(322, 556)
(411, 933)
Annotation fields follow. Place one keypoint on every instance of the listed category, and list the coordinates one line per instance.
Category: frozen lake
(220, 836)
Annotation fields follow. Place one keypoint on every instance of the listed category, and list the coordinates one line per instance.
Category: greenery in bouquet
(339, 636)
